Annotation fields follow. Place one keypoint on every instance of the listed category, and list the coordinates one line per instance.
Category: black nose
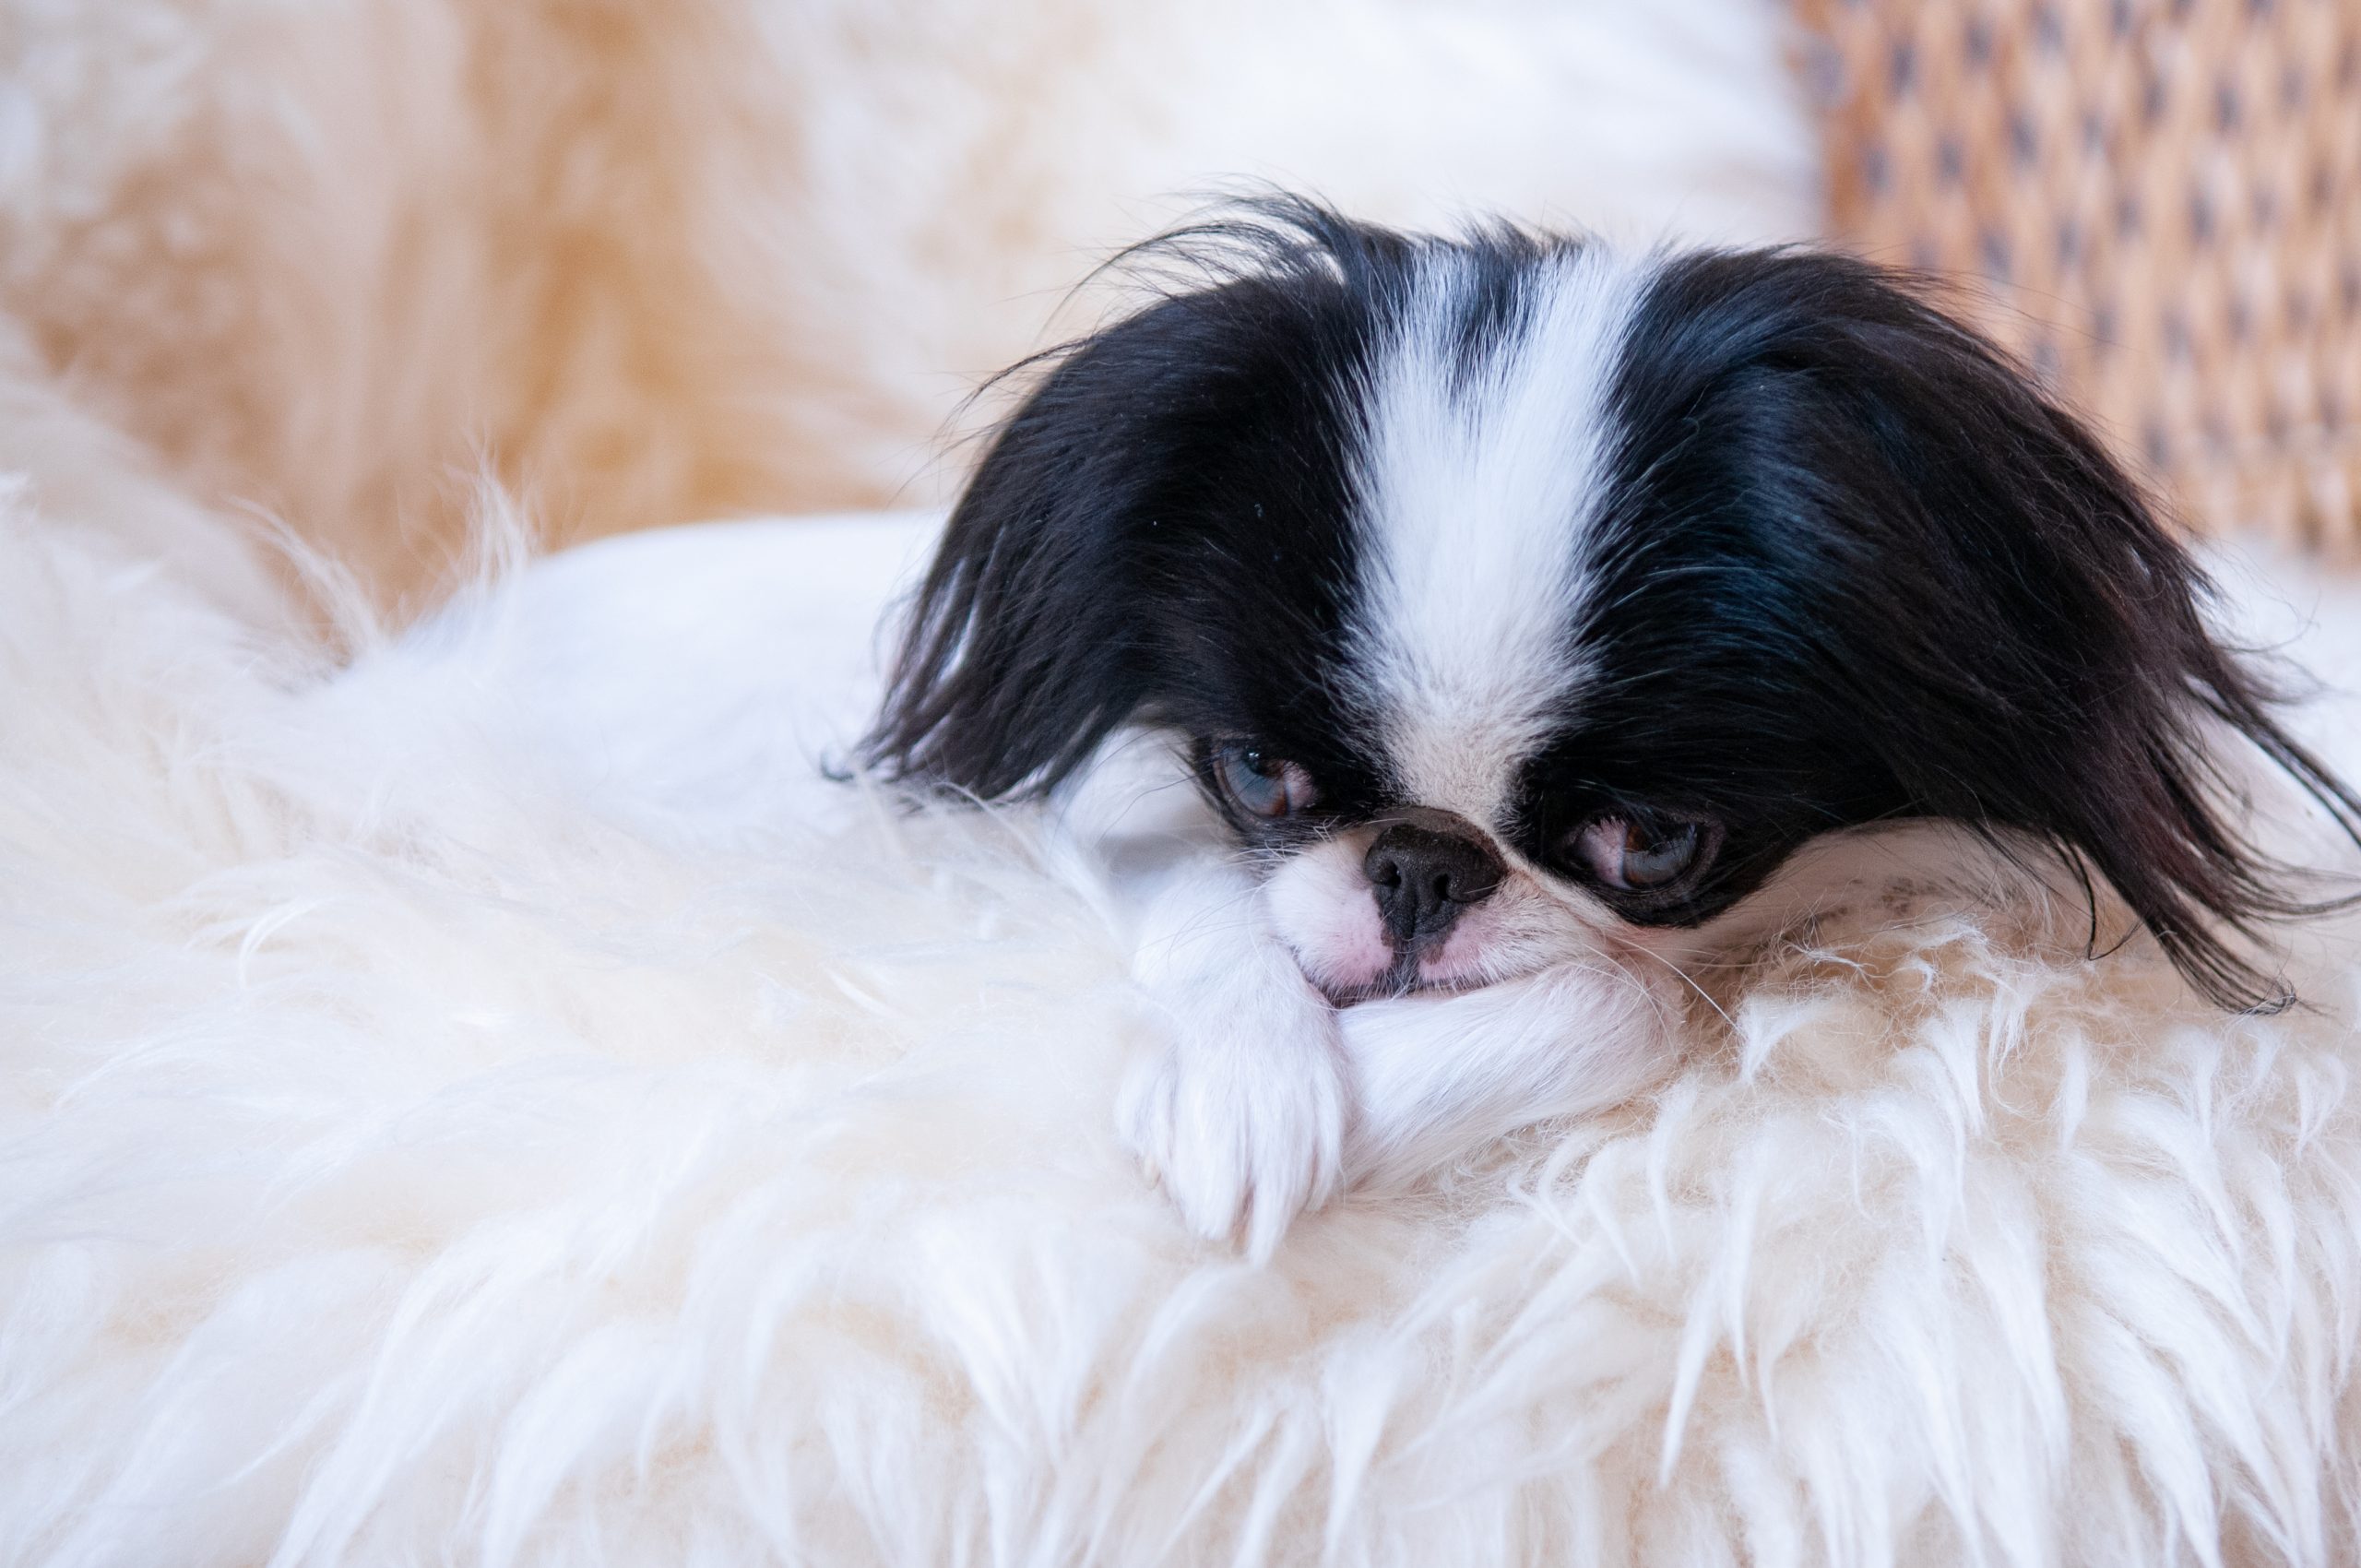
(1423, 877)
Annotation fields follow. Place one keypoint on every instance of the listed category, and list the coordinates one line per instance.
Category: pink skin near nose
(1460, 959)
(1343, 946)
(1324, 908)
(1322, 904)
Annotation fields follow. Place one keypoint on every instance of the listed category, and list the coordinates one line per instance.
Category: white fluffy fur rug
(485, 1102)
(424, 1141)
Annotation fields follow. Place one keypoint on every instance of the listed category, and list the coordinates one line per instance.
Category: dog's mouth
(1357, 995)
(1401, 980)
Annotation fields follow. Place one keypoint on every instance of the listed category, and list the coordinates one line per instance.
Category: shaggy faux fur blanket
(481, 1099)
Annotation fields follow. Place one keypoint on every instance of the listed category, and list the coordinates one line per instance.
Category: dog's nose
(1423, 876)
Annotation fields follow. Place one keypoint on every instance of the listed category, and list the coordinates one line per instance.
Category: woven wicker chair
(2157, 204)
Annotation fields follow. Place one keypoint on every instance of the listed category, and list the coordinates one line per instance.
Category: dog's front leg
(1240, 1116)
(1434, 1076)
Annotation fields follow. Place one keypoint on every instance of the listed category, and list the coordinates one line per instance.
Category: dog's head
(1510, 594)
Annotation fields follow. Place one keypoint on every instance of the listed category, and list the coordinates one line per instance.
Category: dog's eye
(1260, 784)
(1640, 857)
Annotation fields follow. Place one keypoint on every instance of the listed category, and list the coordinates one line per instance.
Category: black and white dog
(1524, 607)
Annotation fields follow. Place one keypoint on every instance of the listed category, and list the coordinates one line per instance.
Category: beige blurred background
(647, 261)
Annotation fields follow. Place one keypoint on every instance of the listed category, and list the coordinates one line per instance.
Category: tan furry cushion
(649, 261)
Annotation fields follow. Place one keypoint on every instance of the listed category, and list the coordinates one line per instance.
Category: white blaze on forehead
(1476, 475)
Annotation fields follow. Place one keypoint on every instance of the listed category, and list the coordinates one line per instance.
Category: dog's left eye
(1262, 785)
(1635, 857)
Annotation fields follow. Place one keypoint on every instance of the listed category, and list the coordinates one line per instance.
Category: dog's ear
(1165, 485)
(2024, 641)
(1094, 546)
(1016, 659)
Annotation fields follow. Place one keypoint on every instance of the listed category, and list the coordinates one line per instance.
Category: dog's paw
(1241, 1117)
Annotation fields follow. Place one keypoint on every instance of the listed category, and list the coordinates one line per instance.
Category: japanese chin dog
(1532, 617)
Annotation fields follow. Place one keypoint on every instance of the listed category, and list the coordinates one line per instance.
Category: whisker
(1684, 978)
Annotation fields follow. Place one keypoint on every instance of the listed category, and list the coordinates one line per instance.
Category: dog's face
(1514, 598)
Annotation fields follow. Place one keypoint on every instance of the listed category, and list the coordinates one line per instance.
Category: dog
(1523, 608)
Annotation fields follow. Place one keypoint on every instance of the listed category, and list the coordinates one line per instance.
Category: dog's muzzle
(1424, 869)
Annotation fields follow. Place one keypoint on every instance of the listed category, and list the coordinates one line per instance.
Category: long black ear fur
(1030, 638)
(2022, 642)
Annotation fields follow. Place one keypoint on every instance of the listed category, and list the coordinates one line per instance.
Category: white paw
(1241, 1117)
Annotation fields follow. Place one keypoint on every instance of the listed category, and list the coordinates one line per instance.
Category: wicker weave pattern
(2163, 197)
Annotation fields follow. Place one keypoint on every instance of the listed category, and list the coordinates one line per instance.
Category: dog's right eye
(1260, 784)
